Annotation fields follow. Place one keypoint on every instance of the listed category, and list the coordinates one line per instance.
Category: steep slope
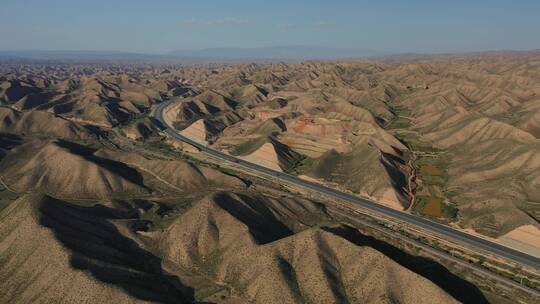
(366, 171)
(13, 91)
(140, 130)
(67, 170)
(179, 175)
(497, 191)
(457, 126)
(269, 152)
(227, 232)
(55, 252)
(39, 123)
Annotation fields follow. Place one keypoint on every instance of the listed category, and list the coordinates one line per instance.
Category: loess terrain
(97, 205)
(454, 139)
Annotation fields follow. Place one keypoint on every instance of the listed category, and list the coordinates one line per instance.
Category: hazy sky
(165, 25)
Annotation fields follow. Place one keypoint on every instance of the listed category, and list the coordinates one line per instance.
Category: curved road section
(440, 229)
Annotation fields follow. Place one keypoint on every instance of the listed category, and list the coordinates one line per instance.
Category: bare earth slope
(453, 139)
(303, 267)
(97, 205)
(52, 251)
(67, 170)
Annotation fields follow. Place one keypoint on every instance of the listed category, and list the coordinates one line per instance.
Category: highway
(444, 231)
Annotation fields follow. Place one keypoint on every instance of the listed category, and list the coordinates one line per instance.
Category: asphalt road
(440, 229)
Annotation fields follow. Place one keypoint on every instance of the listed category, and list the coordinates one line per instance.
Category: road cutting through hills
(443, 231)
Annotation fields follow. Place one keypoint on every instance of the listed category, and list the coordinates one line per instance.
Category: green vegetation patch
(416, 144)
(435, 207)
(429, 169)
(400, 118)
(436, 161)
(161, 215)
(326, 164)
(302, 166)
(432, 170)
(399, 123)
(249, 146)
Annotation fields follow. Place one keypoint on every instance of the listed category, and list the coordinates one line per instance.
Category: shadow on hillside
(254, 213)
(97, 247)
(9, 141)
(17, 91)
(455, 286)
(399, 181)
(116, 167)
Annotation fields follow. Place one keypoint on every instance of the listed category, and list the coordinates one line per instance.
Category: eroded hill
(452, 139)
(97, 205)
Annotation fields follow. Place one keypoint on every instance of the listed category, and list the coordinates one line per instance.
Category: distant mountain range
(209, 54)
(281, 53)
(75, 55)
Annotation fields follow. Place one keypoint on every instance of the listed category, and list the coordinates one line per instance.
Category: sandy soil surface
(387, 198)
(525, 238)
(310, 179)
(196, 131)
(265, 156)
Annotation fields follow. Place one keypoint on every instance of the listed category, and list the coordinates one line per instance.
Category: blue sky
(165, 25)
